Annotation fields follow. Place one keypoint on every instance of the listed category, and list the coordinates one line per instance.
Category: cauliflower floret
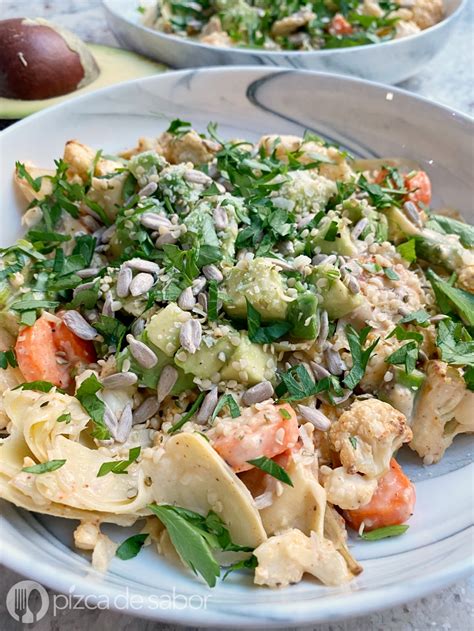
(372, 7)
(104, 552)
(86, 535)
(444, 409)
(189, 147)
(107, 192)
(292, 23)
(213, 34)
(465, 278)
(281, 145)
(284, 558)
(346, 490)
(80, 159)
(405, 29)
(305, 192)
(427, 13)
(367, 434)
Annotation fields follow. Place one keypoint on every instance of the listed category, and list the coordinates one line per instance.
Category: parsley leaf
(451, 298)
(119, 466)
(455, 344)
(38, 386)
(7, 358)
(212, 301)
(418, 317)
(178, 127)
(266, 334)
(406, 355)
(112, 330)
(246, 564)
(383, 533)
(272, 468)
(64, 418)
(86, 395)
(188, 415)
(129, 548)
(446, 225)
(229, 401)
(190, 542)
(44, 467)
(360, 357)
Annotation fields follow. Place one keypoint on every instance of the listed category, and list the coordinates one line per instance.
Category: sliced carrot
(37, 350)
(259, 438)
(419, 186)
(392, 503)
(340, 26)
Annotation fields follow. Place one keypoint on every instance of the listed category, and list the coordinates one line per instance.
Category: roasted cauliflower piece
(427, 13)
(189, 147)
(284, 558)
(367, 434)
(81, 158)
(444, 409)
(346, 490)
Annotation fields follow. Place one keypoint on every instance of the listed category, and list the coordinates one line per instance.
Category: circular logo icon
(27, 601)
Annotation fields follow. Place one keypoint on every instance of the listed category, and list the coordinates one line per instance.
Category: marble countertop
(448, 80)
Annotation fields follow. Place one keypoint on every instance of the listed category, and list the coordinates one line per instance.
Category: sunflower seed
(141, 352)
(124, 425)
(119, 380)
(146, 410)
(108, 233)
(359, 228)
(212, 145)
(319, 371)
(124, 278)
(186, 300)
(284, 265)
(107, 308)
(221, 221)
(90, 223)
(344, 397)
(138, 327)
(82, 287)
(153, 221)
(208, 406)
(411, 212)
(110, 420)
(315, 417)
(258, 393)
(148, 189)
(323, 327)
(141, 284)
(141, 265)
(190, 335)
(211, 272)
(304, 221)
(79, 326)
(202, 300)
(352, 284)
(198, 284)
(437, 318)
(335, 364)
(164, 239)
(166, 382)
(328, 260)
(197, 177)
(88, 272)
(88, 211)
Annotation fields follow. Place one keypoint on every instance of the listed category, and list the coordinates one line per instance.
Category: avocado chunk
(377, 222)
(303, 316)
(337, 300)
(342, 244)
(164, 328)
(399, 226)
(260, 282)
(149, 376)
(249, 363)
(207, 360)
(115, 65)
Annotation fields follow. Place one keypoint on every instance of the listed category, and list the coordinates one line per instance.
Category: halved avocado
(115, 65)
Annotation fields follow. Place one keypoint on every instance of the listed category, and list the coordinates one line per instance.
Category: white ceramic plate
(367, 119)
(389, 62)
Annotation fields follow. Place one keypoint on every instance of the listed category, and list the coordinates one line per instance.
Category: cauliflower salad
(223, 345)
(292, 24)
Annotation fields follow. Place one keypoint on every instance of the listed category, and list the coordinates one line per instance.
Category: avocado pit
(39, 60)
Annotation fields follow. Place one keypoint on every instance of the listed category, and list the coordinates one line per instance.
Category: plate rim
(357, 603)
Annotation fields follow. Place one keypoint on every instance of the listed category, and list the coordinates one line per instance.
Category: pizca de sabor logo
(26, 606)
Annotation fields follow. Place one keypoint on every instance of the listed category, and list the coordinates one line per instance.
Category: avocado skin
(116, 65)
